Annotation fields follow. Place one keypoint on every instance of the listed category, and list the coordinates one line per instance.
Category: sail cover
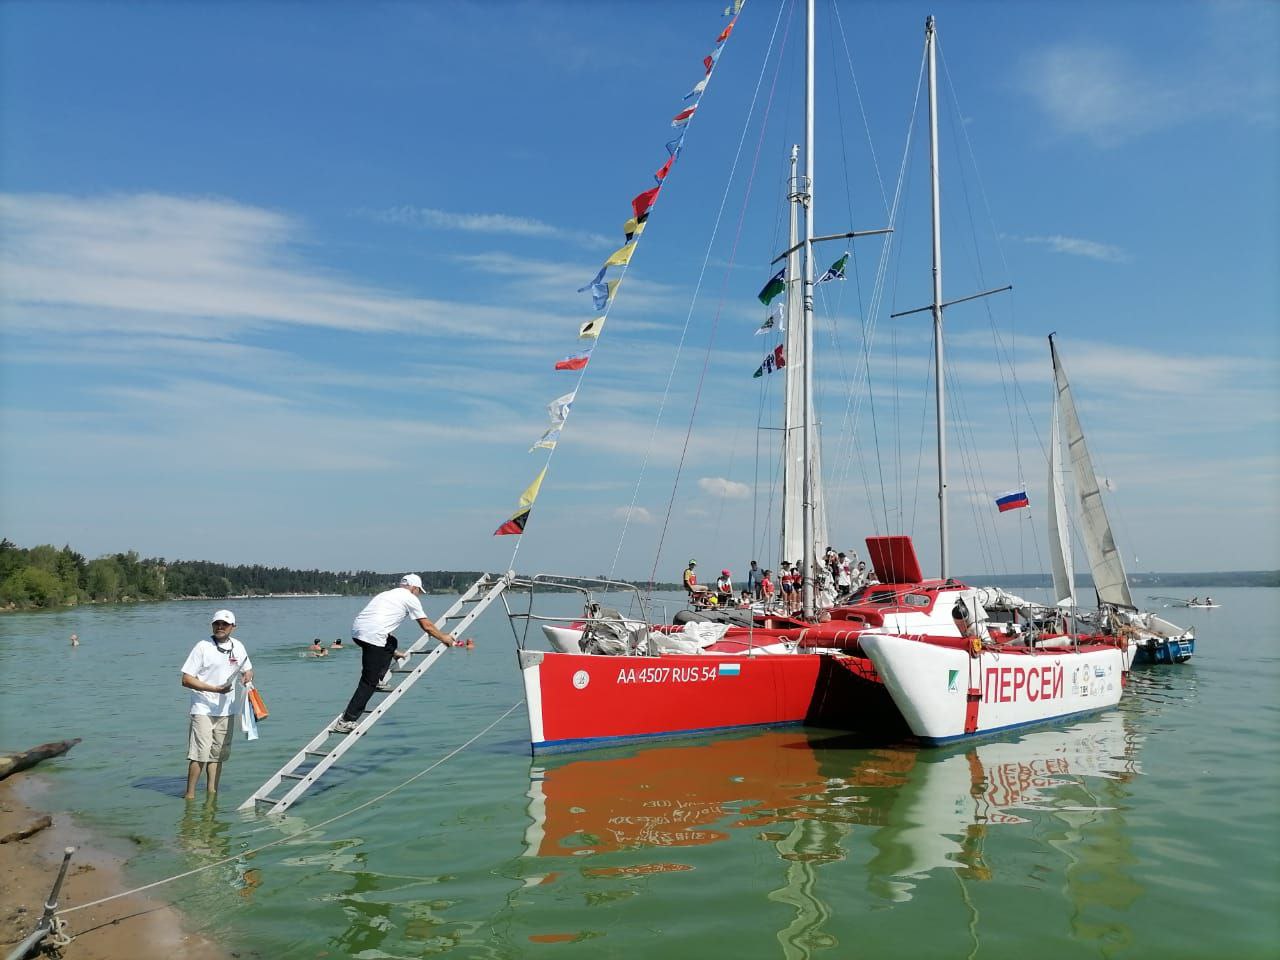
(1104, 558)
(1064, 578)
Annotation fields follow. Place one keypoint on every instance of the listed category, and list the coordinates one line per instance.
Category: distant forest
(48, 577)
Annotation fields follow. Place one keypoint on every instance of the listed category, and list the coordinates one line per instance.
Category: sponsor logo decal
(952, 675)
(581, 679)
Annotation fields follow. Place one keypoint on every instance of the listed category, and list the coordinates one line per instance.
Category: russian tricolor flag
(1014, 500)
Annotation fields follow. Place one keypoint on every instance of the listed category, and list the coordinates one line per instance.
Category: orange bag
(259, 708)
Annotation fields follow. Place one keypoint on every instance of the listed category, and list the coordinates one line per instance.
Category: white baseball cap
(226, 616)
(411, 580)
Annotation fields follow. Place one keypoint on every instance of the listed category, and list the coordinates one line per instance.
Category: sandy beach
(133, 926)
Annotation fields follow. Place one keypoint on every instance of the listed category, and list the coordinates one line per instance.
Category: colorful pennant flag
(1013, 500)
(641, 204)
(733, 8)
(772, 361)
(775, 286)
(602, 294)
(558, 409)
(591, 329)
(621, 257)
(516, 523)
(697, 89)
(661, 173)
(596, 283)
(674, 146)
(548, 440)
(683, 117)
(724, 34)
(575, 362)
(776, 320)
(835, 271)
(634, 227)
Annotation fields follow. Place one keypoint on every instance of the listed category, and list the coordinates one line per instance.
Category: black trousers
(374, 662)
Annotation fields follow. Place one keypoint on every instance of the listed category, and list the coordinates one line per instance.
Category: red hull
(579, 700)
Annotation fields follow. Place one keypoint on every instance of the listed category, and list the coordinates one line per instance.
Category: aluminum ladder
(309, 764)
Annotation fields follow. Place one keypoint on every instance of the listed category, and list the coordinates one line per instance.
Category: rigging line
(869, 321)
(966, 445)
(924, 431)
(666, 391)
(294, 836)
(684, 450)
(1004, 263)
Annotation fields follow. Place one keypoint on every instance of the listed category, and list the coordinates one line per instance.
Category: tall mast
(937, 298)
(809, 479)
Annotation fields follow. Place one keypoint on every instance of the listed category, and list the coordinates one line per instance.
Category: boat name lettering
(695, 673)
(1011, 684)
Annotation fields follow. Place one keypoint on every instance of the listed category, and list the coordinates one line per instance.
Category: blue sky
(284, 283)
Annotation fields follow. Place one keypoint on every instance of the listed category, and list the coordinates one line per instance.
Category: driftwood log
(30, 830)
(13, 762)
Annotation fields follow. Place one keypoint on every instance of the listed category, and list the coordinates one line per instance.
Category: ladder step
(294, 776)
(316, 753)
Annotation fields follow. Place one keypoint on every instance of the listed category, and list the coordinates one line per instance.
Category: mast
(937, 298)
(809, 480)
(793, 411)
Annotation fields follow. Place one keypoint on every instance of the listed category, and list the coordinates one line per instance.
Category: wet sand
(133, 926)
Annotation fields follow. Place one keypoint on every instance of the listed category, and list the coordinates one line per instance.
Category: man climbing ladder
(372, 634)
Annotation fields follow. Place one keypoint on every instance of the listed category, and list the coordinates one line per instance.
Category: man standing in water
(210, 673)
(372, 634)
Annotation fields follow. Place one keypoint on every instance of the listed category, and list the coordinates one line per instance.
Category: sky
(285, 283)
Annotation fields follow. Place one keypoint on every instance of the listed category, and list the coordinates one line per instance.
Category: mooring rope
(293, 836)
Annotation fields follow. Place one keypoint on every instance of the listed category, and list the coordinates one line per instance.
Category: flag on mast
(1013, 500)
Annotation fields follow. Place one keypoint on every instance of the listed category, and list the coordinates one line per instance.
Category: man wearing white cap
(210, 673)
(372, 634)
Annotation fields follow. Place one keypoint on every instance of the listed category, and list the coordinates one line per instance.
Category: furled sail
(1104, 558)
(793, 424)
(1064, 579)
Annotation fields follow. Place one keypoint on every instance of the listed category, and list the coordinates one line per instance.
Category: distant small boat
(1208, 603)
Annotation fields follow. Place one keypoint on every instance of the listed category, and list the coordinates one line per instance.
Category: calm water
(1148, 831)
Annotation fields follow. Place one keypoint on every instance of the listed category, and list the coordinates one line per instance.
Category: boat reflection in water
(900, 814)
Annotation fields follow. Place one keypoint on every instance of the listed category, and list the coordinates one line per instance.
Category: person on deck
(753, 581)
(724, 588)
(844, 576)
(210, 673)
(767, 588)
(371, 632)
(788, 586)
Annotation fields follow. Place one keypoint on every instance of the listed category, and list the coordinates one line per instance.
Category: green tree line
(44, 577)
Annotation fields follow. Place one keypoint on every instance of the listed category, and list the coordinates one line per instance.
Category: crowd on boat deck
(839, 575)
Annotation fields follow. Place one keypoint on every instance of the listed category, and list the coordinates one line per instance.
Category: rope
(293, 836)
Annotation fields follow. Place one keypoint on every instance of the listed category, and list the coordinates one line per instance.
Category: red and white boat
(906, 656)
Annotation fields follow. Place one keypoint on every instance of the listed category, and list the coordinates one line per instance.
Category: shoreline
(134, 926)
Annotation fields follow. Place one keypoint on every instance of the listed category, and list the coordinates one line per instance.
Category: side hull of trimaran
(948, 693)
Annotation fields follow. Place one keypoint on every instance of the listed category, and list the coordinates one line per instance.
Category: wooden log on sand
(13, 762)
(30, 830)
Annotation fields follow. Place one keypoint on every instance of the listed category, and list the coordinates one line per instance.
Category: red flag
(778, 359)
(663, 170)
(724, 34)
(513, 526)
(708, 62)
(576, 362)
(681, 118)
(644, 201)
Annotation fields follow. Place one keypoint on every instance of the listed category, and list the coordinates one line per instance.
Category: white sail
(1064, 578)
(1104, 558)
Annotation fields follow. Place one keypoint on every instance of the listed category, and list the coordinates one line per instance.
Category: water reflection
(824, 803)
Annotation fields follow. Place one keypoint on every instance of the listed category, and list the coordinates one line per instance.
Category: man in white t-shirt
(210, 673)
(372, 634)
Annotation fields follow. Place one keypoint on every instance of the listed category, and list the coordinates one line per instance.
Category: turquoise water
(1147, 831)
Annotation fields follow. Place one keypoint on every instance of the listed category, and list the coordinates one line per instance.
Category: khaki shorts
(211, 738)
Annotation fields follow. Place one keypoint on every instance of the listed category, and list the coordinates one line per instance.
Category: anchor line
(293, 836)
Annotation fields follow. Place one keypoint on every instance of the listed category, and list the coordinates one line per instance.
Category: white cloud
(499, 223)
(637, 514)
(1077, 247)
(722, 487)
